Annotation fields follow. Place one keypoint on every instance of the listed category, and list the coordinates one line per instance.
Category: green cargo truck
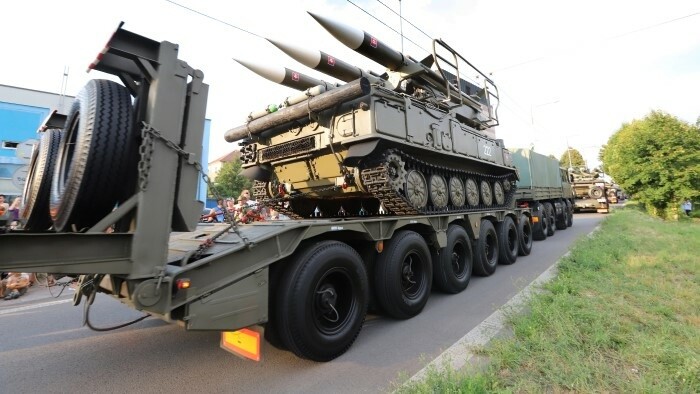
(543, 186)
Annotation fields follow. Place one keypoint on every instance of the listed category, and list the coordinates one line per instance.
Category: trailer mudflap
(242, 304)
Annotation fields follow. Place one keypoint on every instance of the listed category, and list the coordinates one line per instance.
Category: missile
(284, 76)
(363, 43)
(323, 62)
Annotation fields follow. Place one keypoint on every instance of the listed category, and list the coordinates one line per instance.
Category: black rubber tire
(507, 241)
(561, 219)
(595, 192)
(551, 222)
(525, 236)
(452, 266)
(569, 214)
(403, 275)
(486, 251)
(94, 157)
(37, 189)
(322, 301)
(540, 223)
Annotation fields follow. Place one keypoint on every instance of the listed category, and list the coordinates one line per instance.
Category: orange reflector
(535, 219)
(183, 284)
(379, 246)
(244, 342)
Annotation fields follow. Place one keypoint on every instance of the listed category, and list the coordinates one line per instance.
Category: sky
(568, 73)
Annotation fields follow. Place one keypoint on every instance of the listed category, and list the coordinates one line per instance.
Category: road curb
(461, 352)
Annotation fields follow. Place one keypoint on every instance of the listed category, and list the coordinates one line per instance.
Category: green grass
(623, 315)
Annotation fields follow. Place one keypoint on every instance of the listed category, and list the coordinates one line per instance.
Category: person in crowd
(14, 212)
(216, 214)
(4, 207)
(14, 285)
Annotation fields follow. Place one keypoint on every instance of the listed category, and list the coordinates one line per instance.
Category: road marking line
(34, 306)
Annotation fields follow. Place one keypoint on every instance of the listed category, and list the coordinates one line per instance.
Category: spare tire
(595, 192)
(37, 188)
(94, 157)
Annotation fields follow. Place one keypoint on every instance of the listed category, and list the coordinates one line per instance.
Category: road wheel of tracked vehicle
(486, 254)
(452, 266)
(403, 275)
(569, 214)
(37, 188)
(551, 219)
(472, 192)
(524, 236)
(486, 194)
(416, 189)
(595, 192)
(507, 241)
(498, 193)
(322, 301)
(457, 192)
(438, 191)
(540, 222)
(94, 158)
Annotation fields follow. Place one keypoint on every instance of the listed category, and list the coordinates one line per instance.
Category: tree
(656, 159)
(574, 155)
(229, 181)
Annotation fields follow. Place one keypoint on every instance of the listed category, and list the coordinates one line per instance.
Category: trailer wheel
(539, 226)
(561, 219)
(569, 214)
(403, 275)
(524, 236)
(486, 249)
(507, 241)
(94, 157)
(37, 188)
(322, 301)
(551, 219)
(452, 267)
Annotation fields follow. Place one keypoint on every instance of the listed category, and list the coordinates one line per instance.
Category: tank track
(382, 182)
(378, 181)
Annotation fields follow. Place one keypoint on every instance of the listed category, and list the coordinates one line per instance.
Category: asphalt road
(45, 349)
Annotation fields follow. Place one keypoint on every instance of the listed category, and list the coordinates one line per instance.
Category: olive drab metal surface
(409, 141)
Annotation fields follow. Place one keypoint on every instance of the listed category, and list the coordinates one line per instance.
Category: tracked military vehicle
(417, 139)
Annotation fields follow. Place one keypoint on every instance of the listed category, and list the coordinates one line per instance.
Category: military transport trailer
(111, 197)
(543, 186)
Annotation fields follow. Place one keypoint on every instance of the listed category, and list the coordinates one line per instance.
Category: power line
(214, 19)
(380, 21)
(404, 19)
(601, 40)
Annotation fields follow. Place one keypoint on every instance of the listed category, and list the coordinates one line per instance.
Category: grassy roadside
(623, 315)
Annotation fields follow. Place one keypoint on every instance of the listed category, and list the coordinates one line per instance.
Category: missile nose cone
(282, 75)
(348, 35)
(307, 57)
(274, 74)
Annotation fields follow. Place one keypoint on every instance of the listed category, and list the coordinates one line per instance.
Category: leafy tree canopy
(229, 181)
(657, 159)
(575, 156)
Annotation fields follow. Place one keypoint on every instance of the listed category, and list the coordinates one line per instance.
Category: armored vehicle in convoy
(545, 187)
(591, 192)
(394, 184)
(413, 140)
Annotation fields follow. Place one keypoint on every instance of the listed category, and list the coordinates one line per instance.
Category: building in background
(21, 113)
(216, 164)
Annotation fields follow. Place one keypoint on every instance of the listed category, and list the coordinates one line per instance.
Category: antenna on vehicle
(64, 86)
